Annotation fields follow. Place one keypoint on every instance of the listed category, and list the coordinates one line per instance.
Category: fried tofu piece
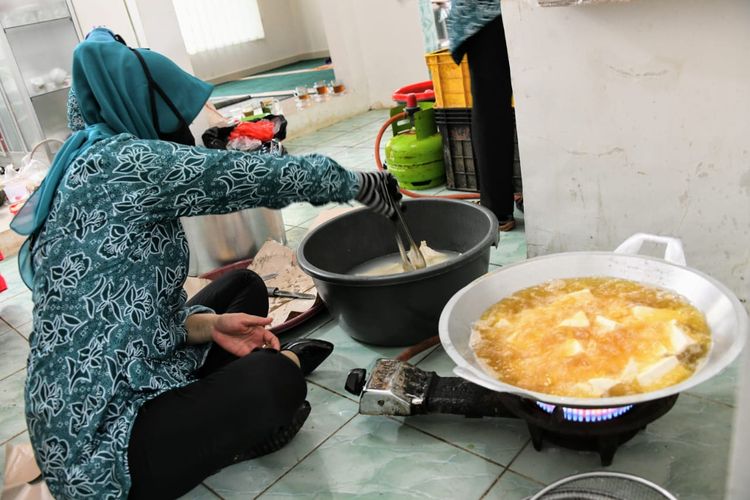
(656, 371)
(578, 320)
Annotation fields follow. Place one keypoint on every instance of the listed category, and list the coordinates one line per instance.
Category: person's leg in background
(492, 121)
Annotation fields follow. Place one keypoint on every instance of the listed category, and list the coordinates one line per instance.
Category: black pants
(184, 435)
(492, 123)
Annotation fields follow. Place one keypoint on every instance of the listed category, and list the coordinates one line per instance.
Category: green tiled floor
(340, 454)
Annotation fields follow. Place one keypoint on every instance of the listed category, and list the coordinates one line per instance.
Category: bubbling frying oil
(592, 337)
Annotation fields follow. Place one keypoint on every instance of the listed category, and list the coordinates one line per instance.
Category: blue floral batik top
(109, 309)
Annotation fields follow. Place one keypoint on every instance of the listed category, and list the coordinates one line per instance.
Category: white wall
(635, 117)
(155, 23)
(376, 46)
(110, 13)
(292, 28)
(310, 20)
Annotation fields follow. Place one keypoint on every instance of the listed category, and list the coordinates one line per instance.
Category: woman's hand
(240, 333)
(379, 191)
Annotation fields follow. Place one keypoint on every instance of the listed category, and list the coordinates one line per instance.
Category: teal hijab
(112, 93)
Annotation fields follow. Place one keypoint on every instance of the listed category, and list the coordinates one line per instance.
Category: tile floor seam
(529, 478)
(211, 490)
(8, 324)
(471, 452)
(334, 391)
(523, 475)
(306, 455)
(509, 470)
(14, 373)
(436, 348)
(316, 329)
(328, 390)
(19, 333)
(3, 443)
(11, 296)
(13, 329)
(497, 479)
(306, 221)
(16, 329)
(703, 398)
(519, 452)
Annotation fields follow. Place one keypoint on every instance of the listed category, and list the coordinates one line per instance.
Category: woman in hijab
(130, 391)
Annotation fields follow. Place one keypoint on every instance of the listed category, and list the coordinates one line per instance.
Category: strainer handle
(673, 253)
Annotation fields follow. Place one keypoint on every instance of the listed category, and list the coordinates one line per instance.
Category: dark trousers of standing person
(492, 122)
(184, 435)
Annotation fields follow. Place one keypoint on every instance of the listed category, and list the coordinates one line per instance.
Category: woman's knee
(241, 279)
(249, 291)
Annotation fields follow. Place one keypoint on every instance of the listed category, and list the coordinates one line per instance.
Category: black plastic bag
(217, 137)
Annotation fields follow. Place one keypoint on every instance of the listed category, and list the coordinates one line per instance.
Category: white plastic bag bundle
(19, 183)
(244, 144)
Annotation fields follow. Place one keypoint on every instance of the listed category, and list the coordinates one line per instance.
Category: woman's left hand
(240, 334)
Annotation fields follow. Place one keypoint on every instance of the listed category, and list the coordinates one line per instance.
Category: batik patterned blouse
(75, 118)
(466, 18)
(109, 309)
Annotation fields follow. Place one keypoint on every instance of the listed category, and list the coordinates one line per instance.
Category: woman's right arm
(154, 180)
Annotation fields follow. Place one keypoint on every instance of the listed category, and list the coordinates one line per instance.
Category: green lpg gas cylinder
(414, 155)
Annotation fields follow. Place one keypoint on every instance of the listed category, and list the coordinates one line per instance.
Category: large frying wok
(724, 313)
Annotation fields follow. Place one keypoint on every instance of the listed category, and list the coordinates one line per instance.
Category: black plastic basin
(401, 309)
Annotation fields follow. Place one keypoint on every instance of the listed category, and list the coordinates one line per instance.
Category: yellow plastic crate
(451, 81)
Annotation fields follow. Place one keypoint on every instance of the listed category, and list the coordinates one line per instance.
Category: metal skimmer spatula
(411, 257)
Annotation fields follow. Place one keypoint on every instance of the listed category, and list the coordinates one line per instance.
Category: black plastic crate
(458, 152)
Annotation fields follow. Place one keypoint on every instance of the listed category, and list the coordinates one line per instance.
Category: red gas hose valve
(411, 104)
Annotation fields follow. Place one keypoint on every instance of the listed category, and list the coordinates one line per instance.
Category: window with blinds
(213, 24)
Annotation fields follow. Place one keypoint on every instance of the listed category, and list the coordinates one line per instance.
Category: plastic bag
(216, 137)
(19, 184)
(23, 479)
(243, 143)
(262, 130)
(279, 125)
(273, 147)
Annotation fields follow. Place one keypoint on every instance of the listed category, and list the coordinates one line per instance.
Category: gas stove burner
(587, 415)
(567, 427)
(396, 388)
